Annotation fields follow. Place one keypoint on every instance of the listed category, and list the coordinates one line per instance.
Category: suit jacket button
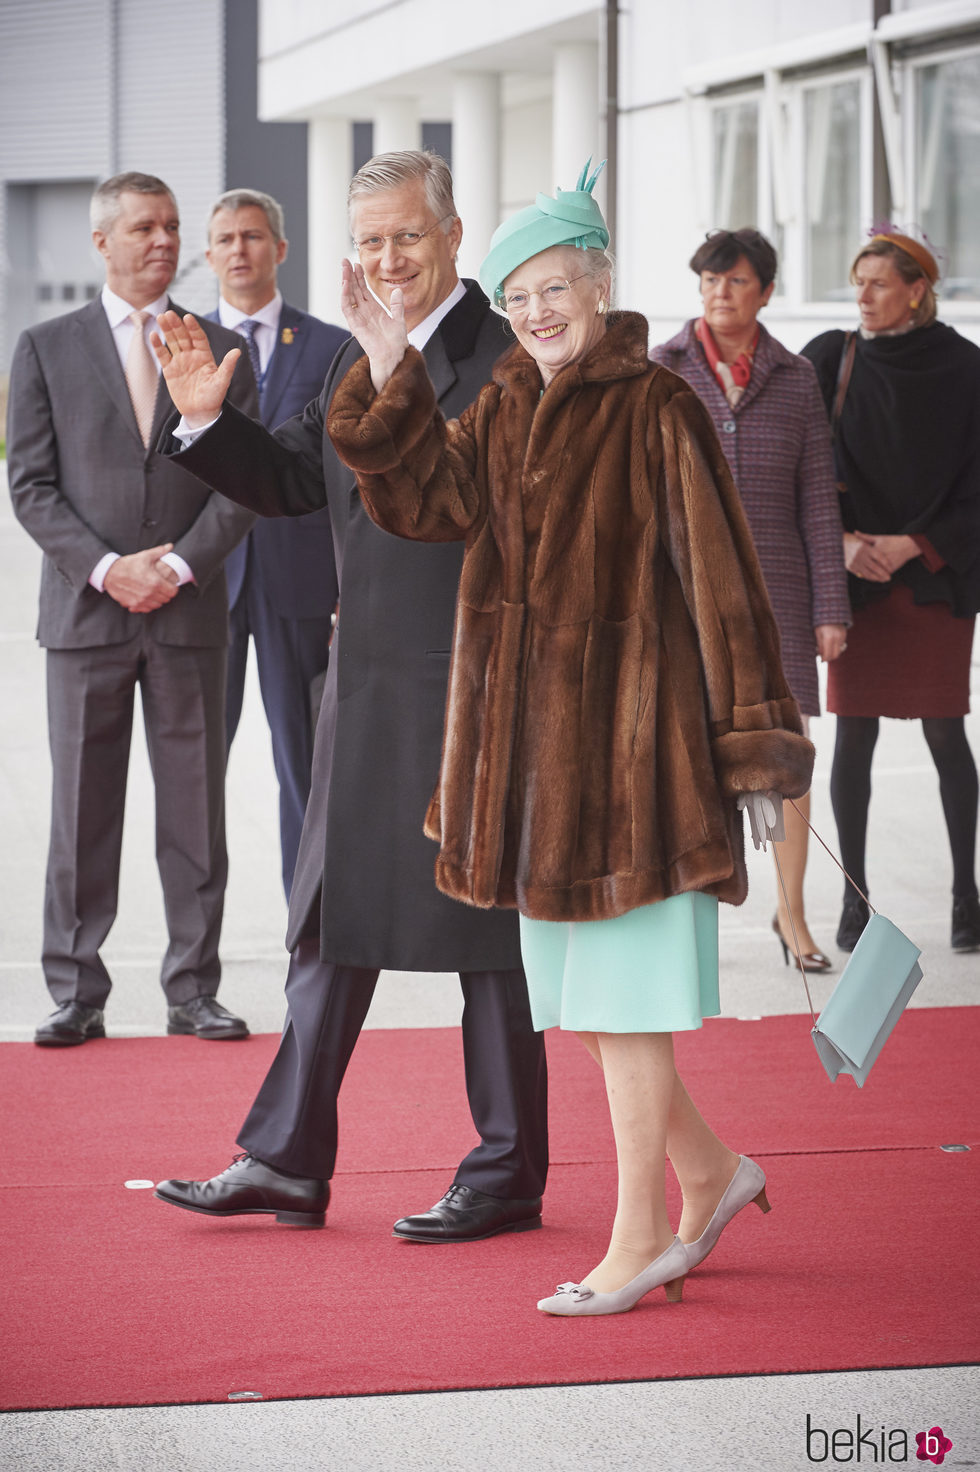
(148, 521)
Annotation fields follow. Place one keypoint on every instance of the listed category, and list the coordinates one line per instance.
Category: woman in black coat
(904, 395)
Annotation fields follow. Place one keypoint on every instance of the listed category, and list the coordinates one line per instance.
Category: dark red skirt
(903, 659)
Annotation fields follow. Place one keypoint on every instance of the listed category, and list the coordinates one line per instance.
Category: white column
(397, 124)
(575, 121)
(328, 174)
(476, 163)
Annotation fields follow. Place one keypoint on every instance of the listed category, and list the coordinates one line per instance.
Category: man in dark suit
(282, 582)
(132, 593)
(364, 895)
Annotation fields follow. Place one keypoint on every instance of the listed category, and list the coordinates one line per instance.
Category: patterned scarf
(733, 377)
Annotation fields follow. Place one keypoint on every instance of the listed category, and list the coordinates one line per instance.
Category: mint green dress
(654, 969)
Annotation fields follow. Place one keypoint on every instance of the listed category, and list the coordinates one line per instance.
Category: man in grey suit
(364, 895)
(282, 582)
(132, 593)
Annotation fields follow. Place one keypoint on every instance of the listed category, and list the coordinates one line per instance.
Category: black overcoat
(379, 734)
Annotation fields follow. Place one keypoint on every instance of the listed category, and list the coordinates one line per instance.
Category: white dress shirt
(419, 336)
(117, 312)
(267, 330)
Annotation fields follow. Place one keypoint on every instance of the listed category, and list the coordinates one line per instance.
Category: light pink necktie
(141, 377)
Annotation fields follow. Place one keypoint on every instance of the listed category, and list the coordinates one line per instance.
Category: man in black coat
(282, 583)
(364, 896)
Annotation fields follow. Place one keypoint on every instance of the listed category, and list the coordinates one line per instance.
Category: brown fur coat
(615, 679)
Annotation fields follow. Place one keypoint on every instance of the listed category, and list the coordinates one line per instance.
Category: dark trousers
(91, 695)
(290, 653)
(293, 1122)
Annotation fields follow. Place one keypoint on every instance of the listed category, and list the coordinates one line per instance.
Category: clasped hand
(876, 558)
(140, 581)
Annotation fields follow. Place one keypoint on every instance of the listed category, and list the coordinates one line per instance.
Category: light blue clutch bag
(869, 998)
(873, 990)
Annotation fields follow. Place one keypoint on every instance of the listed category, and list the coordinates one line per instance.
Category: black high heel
(965, 933)
(812, 960)
(853, 918)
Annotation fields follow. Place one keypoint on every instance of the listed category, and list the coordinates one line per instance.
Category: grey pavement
(701, 1424)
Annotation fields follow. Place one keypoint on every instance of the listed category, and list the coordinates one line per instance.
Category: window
(793, 158)
(946, 167)
(735, 164)
(741, 176)
(833, 212)
(790, 148)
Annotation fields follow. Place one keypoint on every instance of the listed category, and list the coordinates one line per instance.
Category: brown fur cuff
(763, 761)
(372, 433)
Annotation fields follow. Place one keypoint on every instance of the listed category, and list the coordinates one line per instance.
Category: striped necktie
(247, 329)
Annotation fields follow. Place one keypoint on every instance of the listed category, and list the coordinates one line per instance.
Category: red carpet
(112, 1298)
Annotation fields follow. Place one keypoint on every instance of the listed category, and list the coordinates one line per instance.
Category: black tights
(850, 793)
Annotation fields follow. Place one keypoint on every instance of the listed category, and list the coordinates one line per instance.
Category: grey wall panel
(89, 88)
(55, 88)
(171, 116)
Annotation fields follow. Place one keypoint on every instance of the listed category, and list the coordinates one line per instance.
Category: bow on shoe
(576, 1291)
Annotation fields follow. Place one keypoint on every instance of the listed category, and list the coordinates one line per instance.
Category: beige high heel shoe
(667, 1271)
(747, 1184)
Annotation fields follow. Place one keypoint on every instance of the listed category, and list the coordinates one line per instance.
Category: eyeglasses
(552, 296)
(373, 245)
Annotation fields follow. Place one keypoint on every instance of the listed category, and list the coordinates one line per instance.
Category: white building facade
(809, 123)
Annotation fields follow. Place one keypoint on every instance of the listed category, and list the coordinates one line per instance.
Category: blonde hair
(908, 268)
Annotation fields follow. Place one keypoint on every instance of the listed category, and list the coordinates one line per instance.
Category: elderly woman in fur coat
(615, 693)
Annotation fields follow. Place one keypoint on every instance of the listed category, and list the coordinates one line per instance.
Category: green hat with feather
(571, 218)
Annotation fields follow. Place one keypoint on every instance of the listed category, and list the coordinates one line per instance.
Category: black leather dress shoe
(465, 1215)
(249, 1187)
(966, 925)
(205, 1018)
(71, 1024)
(853, 918)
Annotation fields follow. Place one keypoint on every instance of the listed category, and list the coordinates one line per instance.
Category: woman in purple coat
(770, 418)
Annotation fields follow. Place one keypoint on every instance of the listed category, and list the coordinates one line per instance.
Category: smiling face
(732, 299)
(244, 255)
(557, 333)
(884, 299)
(426, 273)
(141, 247)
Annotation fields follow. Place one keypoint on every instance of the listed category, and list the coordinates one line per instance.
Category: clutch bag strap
(789, 911)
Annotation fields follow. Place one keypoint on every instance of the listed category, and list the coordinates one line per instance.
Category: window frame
(716, 103)
(907, 68)
(886, 54)
(798, 238)
(781, 175)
